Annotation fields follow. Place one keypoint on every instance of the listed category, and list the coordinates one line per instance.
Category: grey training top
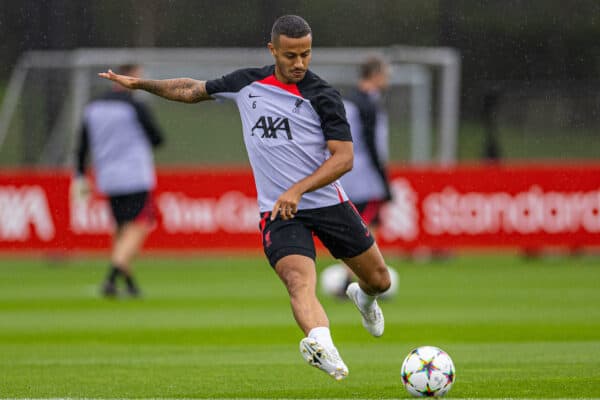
(368, 120)
(120, 133)
(286, 128)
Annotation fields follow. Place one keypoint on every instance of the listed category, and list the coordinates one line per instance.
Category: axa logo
(268, 127)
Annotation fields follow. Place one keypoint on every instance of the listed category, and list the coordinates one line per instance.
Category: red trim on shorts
(263, 221)
(353, 207)
(149, 214)
(366, 217)
(371, 210)
(288, 87)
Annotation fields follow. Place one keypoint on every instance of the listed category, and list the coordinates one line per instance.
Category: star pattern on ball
(428, 367)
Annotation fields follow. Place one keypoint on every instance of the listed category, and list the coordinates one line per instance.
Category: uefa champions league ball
(428, 371)
(334, 278)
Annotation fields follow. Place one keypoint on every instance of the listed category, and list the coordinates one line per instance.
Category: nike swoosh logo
(251, 96)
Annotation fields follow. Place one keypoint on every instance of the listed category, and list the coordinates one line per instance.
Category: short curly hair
(291, 26)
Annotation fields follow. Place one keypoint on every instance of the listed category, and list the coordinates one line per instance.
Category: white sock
(365, 301)
(322, 335)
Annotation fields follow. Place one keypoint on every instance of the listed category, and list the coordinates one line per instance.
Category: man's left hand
(286, 205)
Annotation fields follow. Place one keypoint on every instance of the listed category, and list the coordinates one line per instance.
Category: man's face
(382, 79)
(292, 57)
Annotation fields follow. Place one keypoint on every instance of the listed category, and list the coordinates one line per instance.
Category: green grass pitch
(222, 328)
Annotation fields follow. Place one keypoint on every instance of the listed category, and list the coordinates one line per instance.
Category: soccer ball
(334, 279)
(428, 371)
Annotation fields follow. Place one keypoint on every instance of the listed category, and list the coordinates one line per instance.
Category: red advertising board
(212, 208)
(528, 206)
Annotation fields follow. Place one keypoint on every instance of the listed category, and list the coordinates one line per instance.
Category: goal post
(426, 79)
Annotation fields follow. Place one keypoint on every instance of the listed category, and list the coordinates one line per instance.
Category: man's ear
(271, 47)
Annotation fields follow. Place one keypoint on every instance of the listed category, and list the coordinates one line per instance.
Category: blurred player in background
(120, 133)
(367, 184)
(299, 144)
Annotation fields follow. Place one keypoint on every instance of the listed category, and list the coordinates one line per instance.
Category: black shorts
(369, 211)
(131, 207)
(339, 227)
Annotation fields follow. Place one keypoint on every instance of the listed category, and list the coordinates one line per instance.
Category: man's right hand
(185, 90)
(123, 80)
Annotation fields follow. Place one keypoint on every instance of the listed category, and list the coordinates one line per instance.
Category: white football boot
(325, 358)
(372, 318)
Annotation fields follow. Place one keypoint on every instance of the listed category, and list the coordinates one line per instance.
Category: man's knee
(294, 274)
(380, 280)
(295, 282)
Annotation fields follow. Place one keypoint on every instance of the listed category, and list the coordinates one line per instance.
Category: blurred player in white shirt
(119, 133)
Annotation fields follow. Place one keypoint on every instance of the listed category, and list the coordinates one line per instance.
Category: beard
(296, 75)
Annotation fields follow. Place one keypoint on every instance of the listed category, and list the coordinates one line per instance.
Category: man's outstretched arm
(185, 90)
